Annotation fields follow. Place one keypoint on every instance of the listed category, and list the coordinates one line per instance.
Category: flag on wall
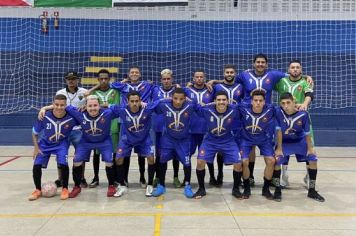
(118, 3)
(73, 3)
(15, 3)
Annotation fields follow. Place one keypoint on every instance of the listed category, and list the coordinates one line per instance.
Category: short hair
(286, 96)
(178, 91)
(92, 97)
(260, 55)
(295, 61)
(221, 93)
(166, 72)
(134, 67)
(71, 74)
(199, 70)
(133, 93)
(259, 93)
(229, 66)
(60, 97)
(103, 71)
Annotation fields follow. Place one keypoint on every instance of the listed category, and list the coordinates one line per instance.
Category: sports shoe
(120, 191)
(64, 194)
(212, 181)
(58, 183)
(315, 195)
(252, 181)
(155, 182)
(176, 182)
(219, 181)
(35, 195)
(200, 193)
(236, 193)
(75, 191)
(94, 183)
(149, 190)
(143, 182)
(247, 192)
(83, 183)
(306, 180)
(111, 191)
(188, 193)
(160, 190)
(267, 193)
(284, 178)
(277, 195)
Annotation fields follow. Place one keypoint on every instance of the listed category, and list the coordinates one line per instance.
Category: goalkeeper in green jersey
(302, 92)
(107, 96)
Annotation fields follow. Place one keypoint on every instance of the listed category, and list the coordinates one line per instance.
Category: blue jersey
(54, 130)
(219, 125)
(235, 94)
(176, 121)
(157, 94)
(199, 96)
(266, 82)
(294, 127)
(255, 126)
(95, 129)
(135, 125)
(144, 88)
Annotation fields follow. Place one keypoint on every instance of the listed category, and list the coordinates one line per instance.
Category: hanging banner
(150, 3)
(19, 3)
(73, 3)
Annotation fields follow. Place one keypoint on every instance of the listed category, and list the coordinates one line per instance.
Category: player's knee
(313, 164)
(245, 162)
(109, 164)
(77, 164)
(238, 167)
(200, 164)
(270, 161)
(119, 161)
(150, 160)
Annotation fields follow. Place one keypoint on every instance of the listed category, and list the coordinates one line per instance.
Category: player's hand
(105, 104)
(209, 85)
(41, 114)
(143, 104)
(36, 151)
(82, 108)
(302, 107)
(310, 80)
(86, 94)
(189, 85)
(177, 85)
(124, 80)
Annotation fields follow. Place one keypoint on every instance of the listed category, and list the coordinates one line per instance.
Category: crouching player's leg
(123, 152)
(313, 170)
(182, 151)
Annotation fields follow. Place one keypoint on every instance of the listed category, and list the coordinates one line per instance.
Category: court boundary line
(10, 160)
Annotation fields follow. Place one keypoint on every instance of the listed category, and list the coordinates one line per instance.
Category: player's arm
(35, 131)
(118, 85)
(309, 96)
(91, 90)
(279, 152)
(42, 112)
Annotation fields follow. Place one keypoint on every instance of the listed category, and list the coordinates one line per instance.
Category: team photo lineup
(217, 119)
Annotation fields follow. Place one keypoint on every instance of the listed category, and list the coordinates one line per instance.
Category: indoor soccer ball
(49, 189)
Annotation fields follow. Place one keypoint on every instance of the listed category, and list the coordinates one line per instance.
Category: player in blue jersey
(159, 92)
(295, 127)
(219, 118)
(55, 128)
(199, 93)
(234, 91)
(136, 125)
(256, 119)
(175, 138)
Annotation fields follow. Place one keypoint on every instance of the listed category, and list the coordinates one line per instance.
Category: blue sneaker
(159, 191)
(188, 191)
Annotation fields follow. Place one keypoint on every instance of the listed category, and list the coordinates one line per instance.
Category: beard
(229, 78)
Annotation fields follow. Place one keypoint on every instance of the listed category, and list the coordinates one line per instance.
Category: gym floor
(92, 213)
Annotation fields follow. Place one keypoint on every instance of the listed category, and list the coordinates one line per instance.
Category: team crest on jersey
(299, 88)
(229, 120)
(186, 114)
(66, 126)
(202, 152)
(102, 120)
(264, 119)
(119, 150)
(268, 81)
(299, 122)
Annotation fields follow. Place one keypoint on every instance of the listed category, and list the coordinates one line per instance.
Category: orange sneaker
(64, 194)
(35, 195)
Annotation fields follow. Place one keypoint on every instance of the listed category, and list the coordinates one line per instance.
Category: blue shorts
(82, 153)
(175, 148)
(229, 150)
(75, 137)
(266, 148)
(195, 142)
(143, 148)
(61, 152)
(299, 148)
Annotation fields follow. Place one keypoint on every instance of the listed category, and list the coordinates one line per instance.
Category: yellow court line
(140, 214)
(157, 231)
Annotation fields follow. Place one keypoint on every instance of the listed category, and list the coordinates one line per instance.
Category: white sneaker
(306, 180)
(149, 190)
(121, 190)
(285, 177)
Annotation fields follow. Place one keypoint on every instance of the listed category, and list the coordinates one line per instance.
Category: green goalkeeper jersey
(112, 97)
(297, 88)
